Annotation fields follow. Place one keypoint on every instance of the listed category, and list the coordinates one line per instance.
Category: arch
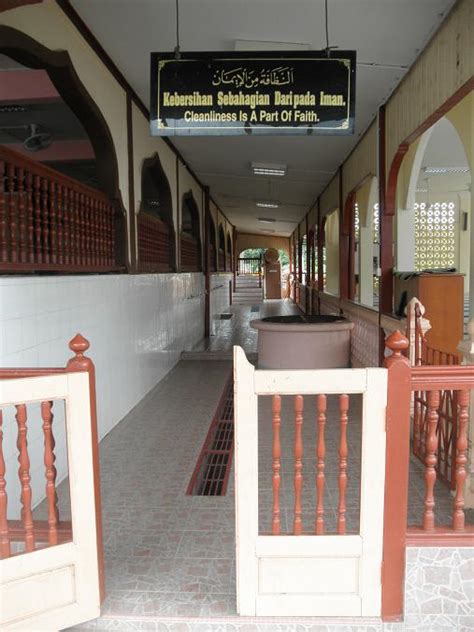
(60, 69)
(58, 64)
(156, 234)
(388, 204)
(440, 146)
(190, 238)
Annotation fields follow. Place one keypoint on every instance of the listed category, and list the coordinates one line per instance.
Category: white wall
(137, 327)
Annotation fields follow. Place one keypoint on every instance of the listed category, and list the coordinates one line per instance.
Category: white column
(366, 265)
(466, 348)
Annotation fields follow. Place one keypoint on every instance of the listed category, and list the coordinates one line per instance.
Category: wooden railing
(44, 387)
(50, 222)
(448, 407)
(249, 265)
(155, 247)
(190, 253)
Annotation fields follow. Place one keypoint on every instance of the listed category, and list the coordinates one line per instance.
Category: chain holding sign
(252, 93)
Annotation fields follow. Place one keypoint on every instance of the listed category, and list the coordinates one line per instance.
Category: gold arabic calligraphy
(241, 77)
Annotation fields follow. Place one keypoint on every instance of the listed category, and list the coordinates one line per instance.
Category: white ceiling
(387, 33)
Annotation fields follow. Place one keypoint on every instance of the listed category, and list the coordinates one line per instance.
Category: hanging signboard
(252, 93)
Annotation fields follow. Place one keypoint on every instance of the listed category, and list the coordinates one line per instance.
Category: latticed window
(376, 224)
(435, 235)
(356, 223)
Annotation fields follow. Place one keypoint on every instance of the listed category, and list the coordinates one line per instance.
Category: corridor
(171, 557)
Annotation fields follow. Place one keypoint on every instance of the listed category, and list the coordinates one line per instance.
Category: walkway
(171, 556)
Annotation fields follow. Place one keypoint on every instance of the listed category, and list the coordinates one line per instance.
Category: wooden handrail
(50, 222)
(443, 377)
(42, 170)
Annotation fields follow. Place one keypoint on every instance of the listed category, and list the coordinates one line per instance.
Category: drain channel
(211, 474)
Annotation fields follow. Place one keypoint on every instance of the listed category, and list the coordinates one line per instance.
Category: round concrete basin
(291, 342)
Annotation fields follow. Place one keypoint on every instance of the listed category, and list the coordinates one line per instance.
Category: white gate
(308, 575)
(58, 586)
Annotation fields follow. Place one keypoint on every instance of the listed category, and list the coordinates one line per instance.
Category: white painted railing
(50, 570)
(300, 573)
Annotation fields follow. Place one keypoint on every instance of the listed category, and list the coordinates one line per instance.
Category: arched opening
(190, 239)
(229, 257)
(156, 236)
(331, 253)
(58, 154)
(212, 245)
(434, 228)
(365, 242)
(221, 259)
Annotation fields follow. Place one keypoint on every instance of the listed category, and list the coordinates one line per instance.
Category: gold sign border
(345, 125)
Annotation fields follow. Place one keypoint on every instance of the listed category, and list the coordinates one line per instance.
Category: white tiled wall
(219, 285)
(137, 327)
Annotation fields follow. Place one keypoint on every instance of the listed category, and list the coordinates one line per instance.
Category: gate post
(396, 477)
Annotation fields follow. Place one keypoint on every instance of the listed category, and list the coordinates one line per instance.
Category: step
(237, 624)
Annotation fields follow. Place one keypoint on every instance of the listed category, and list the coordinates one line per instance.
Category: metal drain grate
(255, 308)
(211, 474)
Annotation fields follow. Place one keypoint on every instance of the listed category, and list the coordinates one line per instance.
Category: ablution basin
(303, 342)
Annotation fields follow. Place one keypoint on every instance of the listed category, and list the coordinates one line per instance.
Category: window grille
(435, 235)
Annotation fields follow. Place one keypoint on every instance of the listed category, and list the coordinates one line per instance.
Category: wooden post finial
(79, 345)
(397, 343)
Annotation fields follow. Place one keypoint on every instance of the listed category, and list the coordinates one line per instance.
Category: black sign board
(235, 93)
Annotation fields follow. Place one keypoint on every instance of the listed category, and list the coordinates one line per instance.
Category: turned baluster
(82, 241)
(45, 217)
(4, 538)
(343, 452)
(95, 233)
(431, 459)
(3, 219)
(66, 222)
(77, 214)
(30, 225)
(298, 479)
(77, 208)
(59, 225)
(92, 231)
(72, 227)
(50, 471)
(22, 215)
(276, 454)
(320, 455)
(37, 212)
(111, 224)
(24, 475)
(99, 232)
(54, 219)
(87, 230)
(461, 460)
(12, 213)
(101, 212)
